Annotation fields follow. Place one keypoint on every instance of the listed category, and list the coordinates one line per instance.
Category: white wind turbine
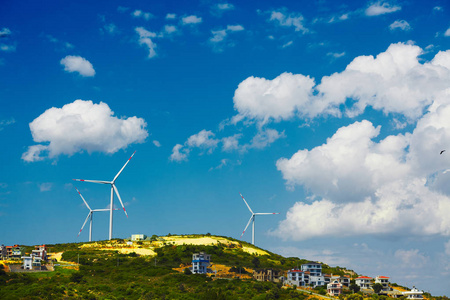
(113, 189)
(90, 215)
(252, 218)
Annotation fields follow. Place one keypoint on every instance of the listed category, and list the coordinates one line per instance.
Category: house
(334, 288)
(138, 237)
(267, 275)
(27, 262)
(297, 277)
(315, 273)
(200, 263)
(16, 252)
(344, 280)
(384, 281)
(40, 251)
(3, 252)
(363, 282)
(413, 294)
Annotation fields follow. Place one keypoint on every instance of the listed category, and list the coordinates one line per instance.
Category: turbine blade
(246, 226)
(104, 209)
(120, 200)
(267, 213)
(246, 203)
(94, 181)
(114, 180)
(89, 214)
(83, 199)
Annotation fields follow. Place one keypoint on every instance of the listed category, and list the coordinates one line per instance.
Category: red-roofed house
(334, 288)
(384, 281)
(364, 282)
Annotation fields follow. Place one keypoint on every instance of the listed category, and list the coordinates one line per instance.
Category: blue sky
(332, 113)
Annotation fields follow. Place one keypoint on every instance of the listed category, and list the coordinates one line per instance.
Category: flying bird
(442, 151)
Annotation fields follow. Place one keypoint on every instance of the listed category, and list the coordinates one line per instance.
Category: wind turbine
(90, 215)
(113, 189)
(252, 218)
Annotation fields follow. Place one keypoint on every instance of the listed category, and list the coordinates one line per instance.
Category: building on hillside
(267, 275)
(3, 252)
(316, 277)
(314, 269)
(40, 251)
(297, 277)
(17, 252)
(334, 288)
(413, 294)
(327, 278)
(200, 263)
(138, 237)
(344, 280)
(384, 281)
(364, 282)
(27, 262)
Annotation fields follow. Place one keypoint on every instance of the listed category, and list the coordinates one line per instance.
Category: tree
(354, 287)
(377, 287)
(256, 262)
(187, 271)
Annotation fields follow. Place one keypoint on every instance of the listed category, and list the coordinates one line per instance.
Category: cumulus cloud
(278, 99)
(381, 8)
(145, 39)
(45, 187)
(78, 64)
(5, 32)
(400, 24)
(177, 154)
(156, 143)
(218, 39)
(447, 248)
(191, 20)
(170, 29)
(82, 126)
(285, 19)
(411, 257)
(447, 32)
(393, 183)
(4, 123)
(220, 8)
(140, 14)
(171, 16)
(394, 82)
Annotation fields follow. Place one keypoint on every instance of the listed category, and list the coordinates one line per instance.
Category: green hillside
(115, 270)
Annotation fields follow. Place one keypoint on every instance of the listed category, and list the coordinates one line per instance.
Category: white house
(413, 294)
(314, 269)
(27, 262)
(364, 282)
(138, 237)
(200, 263)
(297, 277)
(384, 281)
(334, 288)
(344, 280)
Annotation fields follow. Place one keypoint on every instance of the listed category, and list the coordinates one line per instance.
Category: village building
(364, 282)
(3, 252)
(267, 275)
(413, 294)
(200, 263)
(138, 237)
(297, 277)
(334, 288)
(384, 281)
(40, 252)
(344, 280)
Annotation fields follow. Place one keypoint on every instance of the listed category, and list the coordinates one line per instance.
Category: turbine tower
(113, 189)
(90, 215)
(252, 219)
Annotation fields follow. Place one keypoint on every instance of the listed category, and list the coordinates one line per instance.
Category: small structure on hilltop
(413, 294)
(364, 282)
(384, 281)
(138, 237)
(200, 263)
(334, 288)
(267, 275)
(316, 277)
(40, 251)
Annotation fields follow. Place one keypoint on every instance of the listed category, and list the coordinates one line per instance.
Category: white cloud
(177, 154)
(447, 32)
(381, 8)
(438, 8)
(110, 28)
(203, 139)
(78, 64)
(140, 14)
(264, 138)
(5, 32)
(287, 44)
(171, 16)
(336, 54)
(7, 48)
(156, 143)
(191, 20)
(284, 19)
(45, 187)
(4, 123)
(169, 29)
(145, 38)
(277, 99)
(225, 6)
(223, 163)
(400, 24)
(231, 143)
(235, 28)
(82, 126)
(219, 37)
